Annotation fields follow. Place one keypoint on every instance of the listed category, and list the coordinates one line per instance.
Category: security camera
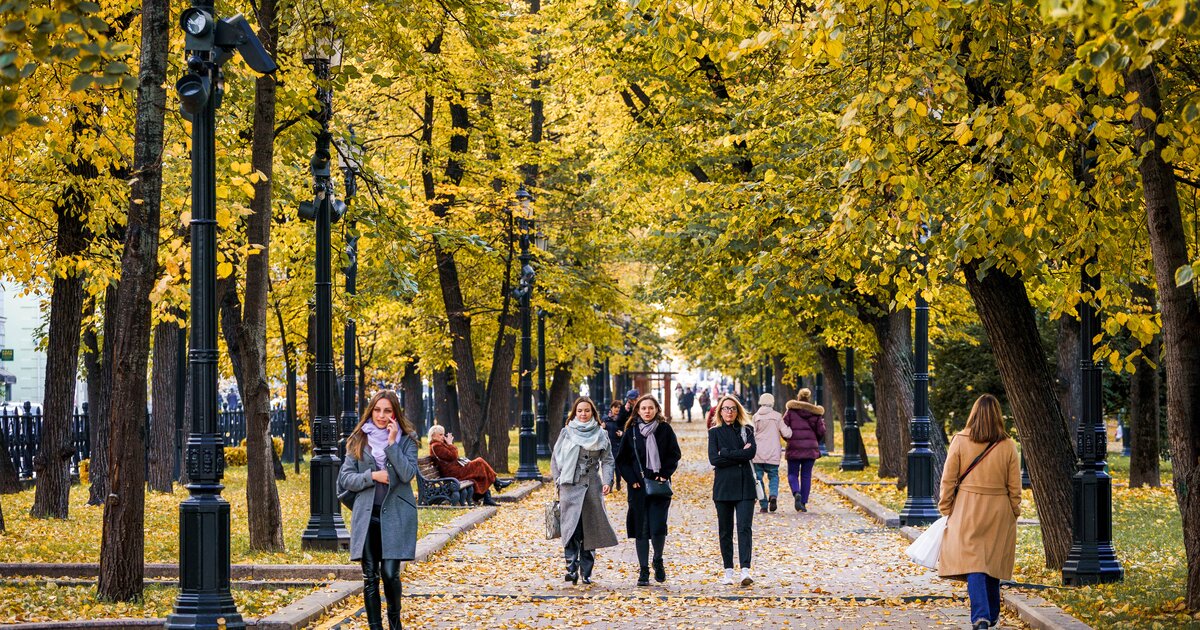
(235, 32)
(194, 90)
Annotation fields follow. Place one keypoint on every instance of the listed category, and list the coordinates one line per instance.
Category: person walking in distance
(582, 468)
(981, 493)
(704, 401)
(380, 463)
(807, 424)
(615, 430)
(731, 448)
(769, 431)
(649, 451)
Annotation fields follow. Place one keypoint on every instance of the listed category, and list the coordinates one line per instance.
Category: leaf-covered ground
(827, 568)
(49, 602)
(77, 539)
(1147, 536)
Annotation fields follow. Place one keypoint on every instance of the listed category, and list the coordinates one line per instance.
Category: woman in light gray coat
(381, 461)
(582, 467)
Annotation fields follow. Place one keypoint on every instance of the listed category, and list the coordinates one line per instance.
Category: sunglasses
(728, 408)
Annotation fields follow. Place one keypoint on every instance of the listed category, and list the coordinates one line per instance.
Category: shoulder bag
(654, 487)
(553, 520)
(758, 483)
(927, 548)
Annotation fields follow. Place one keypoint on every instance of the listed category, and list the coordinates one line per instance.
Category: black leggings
(373, 566)
(745, 516)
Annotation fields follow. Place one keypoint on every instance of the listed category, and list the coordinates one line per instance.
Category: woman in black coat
(731, 447)
(649, 449)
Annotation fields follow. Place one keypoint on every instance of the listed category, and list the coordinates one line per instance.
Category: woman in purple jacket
(807, 423)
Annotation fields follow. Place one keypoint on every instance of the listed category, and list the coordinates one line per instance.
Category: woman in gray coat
(582, 467)
(381, 461)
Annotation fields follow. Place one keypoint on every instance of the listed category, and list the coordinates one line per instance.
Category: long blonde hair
(986, 422)
(742, 417)
(357, 439)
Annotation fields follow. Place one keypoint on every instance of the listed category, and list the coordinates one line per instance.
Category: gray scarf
(577, 435)
(647, 431)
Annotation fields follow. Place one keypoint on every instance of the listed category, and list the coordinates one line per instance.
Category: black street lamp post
(920, 508)
(851, 440)
(204, 599)
(527, 439)
(543, 429)
(348, 161)
(326, 529)
(1092, 559)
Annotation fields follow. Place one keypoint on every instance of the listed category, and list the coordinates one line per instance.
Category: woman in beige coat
(981, 535)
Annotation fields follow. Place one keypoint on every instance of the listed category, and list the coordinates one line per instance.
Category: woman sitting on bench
(478, 471)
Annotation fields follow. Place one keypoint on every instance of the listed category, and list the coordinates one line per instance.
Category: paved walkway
(827, 568)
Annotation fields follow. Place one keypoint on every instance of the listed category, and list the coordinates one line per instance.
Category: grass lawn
(1147, 537)
(77, 539)
(49, 602)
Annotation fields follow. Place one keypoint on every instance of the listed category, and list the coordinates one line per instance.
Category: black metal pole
(1092, 559)
(292, 420)
(920, 508)
(349, 385)
(818, 398)
(543, 429)
(204, 599)
(326, 529)
(851, 457)
(527, 440)
(181, 363)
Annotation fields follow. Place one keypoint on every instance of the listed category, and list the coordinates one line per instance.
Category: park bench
(434, 489)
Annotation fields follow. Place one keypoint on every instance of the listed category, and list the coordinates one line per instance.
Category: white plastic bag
(928, 546)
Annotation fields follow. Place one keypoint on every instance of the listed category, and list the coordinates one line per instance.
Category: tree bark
(1008, 318)
(783, 388)
(892, 371)
(414, 408)
(556, 400)
(1070, 393)
(164, 383)
(834, 394)
(1143, 426)
(99, 365)
(123, 539)
(53, 461)
(1180, 318)
(443, 407)
(499, 399)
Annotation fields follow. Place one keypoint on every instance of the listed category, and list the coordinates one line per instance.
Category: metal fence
(22, 429)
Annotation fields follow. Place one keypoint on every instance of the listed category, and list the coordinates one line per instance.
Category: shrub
(235, 455)
(84, 466)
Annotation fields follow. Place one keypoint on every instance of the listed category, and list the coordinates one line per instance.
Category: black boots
(501, 484)
(660, 571)
(772, 504)
(486, 499)
(799, 505)
(643, 576)
(642, 545)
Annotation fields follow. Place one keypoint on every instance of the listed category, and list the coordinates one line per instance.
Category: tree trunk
(1008, 317)
(123, 539)
(1070, 393)
(892, 371)
(164, 383)
(499, 398)
(1180, 319)
(834, 394)
(414, 407)
(1142, 429)
(184, 479)
(53, 461)
(99, 365)
(556, 400)
(783, 388)
(443, 408)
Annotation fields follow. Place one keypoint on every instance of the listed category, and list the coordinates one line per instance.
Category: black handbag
(654, 487)
(346, 497)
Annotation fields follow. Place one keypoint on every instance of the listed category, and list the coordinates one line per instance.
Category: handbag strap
(637, 459)
(973, 465)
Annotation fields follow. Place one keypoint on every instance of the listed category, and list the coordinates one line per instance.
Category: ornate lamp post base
(196, 605)
(1092, 559)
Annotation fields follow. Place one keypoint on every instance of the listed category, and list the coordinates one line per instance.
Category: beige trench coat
(981, 534)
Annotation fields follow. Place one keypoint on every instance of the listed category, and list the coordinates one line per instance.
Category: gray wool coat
(398, 515)
(584, 500)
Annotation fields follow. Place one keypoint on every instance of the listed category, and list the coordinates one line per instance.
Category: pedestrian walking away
(686, 400)
(731, 448)
(981, 493)
(381, 461)
(615, 429)
(806, 422)
(704, 401)
(769, 433)
(649, 452)
(582, 467)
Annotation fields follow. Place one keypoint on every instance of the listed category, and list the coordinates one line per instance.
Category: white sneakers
(728, 577)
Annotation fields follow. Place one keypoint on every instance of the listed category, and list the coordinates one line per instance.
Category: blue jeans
(984, 591)
(772, 472)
